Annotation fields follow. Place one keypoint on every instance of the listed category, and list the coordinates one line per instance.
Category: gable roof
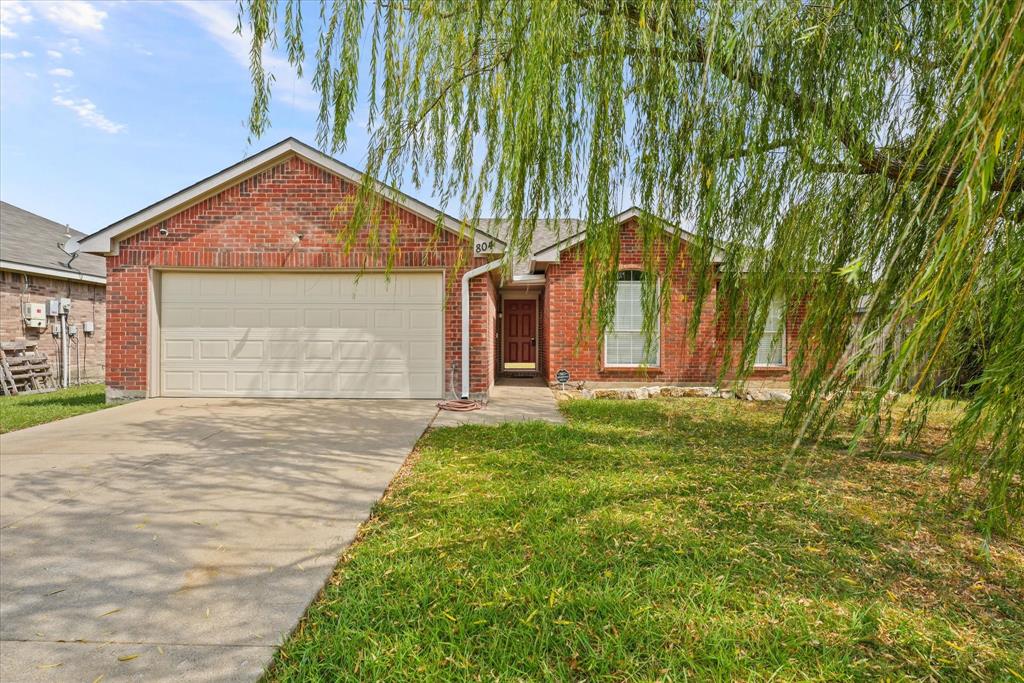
(30, 243)
(552, 252)
(546, 231)
(105, 241)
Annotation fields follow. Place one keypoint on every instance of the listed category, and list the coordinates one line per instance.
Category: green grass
(18, 412)
(662, 540)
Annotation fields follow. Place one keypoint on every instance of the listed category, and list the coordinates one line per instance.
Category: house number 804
(484, 247)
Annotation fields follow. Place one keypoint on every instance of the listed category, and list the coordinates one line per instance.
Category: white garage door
(301, 335)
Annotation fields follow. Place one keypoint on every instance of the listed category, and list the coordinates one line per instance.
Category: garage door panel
(252, 286)
(384, 319)
(212, 317)
(178, 349)
(389, 351)
(173, 316)
(184, 286)
(175, 380)
(250, 317)
(283, 381)
(319, 350)
(284, 350)
(248, 350)
(423, 320)
(319, 382)
(213, 349)
(285, 288)
(351, 350)
(424, 350)
(248, 381)
(355, 319)
(214, 289)
(213, 381)
(282, 317)
(292, 334)
(320, 317)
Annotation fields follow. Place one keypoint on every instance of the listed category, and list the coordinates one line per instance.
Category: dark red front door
(520, 333)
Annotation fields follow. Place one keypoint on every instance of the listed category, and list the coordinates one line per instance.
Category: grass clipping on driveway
(28, 410)
(662, 540)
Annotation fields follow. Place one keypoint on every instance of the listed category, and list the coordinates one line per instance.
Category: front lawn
(26, 410)
(662, 540)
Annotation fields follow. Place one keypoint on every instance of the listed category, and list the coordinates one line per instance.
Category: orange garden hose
(462, 405)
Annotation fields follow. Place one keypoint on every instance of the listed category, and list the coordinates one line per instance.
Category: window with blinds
(624, 343)
(771, 349)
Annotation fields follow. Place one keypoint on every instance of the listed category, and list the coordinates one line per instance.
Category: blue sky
(106, 107)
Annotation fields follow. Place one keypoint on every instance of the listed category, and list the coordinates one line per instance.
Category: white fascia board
(529, 278)
(55, 273)
(105, 240)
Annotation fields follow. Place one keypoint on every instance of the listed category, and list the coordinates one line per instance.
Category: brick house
(34, 269)
(238, 286)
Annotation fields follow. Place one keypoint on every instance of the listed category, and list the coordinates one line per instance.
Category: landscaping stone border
(641, 393)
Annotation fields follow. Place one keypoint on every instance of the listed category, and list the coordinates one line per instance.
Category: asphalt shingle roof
(31, 240)
(547, 233)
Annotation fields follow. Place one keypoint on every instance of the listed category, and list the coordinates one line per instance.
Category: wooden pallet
(23, 369)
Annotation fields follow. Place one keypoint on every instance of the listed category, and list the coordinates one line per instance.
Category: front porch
(510, 400)
(520, 351)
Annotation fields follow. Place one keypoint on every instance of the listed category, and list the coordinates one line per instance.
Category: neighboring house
(237, 286)
(34, 269)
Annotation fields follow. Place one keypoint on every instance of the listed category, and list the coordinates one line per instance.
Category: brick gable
(681, 361)
(251, 226)
(581, 352)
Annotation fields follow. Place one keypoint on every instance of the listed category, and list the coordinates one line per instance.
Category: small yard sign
(562, 376)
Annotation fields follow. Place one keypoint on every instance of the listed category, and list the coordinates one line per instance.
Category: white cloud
(31, 74)
(61, 73)
(219, 21)
(89, 114)
(73, 17)
(24, 54)
(8, 55)
(54, 54)
(72, 45)
(13, 13)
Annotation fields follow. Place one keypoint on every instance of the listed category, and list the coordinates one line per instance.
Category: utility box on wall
(35, 316)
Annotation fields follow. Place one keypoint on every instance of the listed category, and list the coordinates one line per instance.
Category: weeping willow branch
(833, 153)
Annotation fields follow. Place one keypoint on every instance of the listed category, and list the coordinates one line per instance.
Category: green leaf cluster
(860, 157)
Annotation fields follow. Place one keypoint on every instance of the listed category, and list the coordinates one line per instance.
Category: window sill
(649, 369)
(770, 370)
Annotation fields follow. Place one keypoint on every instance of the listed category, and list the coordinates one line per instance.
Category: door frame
(520, 296)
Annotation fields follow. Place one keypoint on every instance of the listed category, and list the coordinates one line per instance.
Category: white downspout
(470, 274)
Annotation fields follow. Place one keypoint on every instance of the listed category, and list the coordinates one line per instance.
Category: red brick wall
(250, 226)
(87, 304)
(582, 355)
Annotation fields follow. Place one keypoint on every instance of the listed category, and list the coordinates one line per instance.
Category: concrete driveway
(182, 539)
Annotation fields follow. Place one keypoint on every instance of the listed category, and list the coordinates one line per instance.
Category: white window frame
(657, 331)
(781, 335)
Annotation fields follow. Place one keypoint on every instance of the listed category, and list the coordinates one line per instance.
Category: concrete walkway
(512, 402)
(179, 540)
